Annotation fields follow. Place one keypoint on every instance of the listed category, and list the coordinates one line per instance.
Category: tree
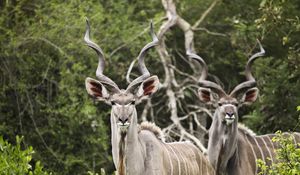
(43, 64)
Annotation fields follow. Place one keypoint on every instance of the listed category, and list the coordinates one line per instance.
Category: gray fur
(233, 150)
(145, 153)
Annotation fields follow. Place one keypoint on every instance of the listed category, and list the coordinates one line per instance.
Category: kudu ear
(148, 87)
(205, 95)
(249, 96)
(96, 89)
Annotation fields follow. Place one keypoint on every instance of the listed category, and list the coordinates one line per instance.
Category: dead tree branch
(174, 91)
(183, 115)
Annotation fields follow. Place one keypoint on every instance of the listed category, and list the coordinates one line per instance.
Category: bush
(14, 160)
(288, 156)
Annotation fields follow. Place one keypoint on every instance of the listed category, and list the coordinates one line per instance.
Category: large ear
(96, 89)
(205, 95)
(249, 96)
(148, 87)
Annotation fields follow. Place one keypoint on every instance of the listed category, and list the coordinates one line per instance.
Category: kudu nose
(123, 120)
(230, 114)
(229, 117)
(229, 111)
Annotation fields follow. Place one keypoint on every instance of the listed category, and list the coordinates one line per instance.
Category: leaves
(44, 62)
(14, 160)
(288, 156)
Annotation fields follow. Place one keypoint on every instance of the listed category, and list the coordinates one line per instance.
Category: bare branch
(31, 112)
(204, 15)
(183, 73)
(210, 32)
(146, 109)
(173, 89)
(127, 43)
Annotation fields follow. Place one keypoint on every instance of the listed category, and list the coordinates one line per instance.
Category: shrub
(14, 160)
(288, 156)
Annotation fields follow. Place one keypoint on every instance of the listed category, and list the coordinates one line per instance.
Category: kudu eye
(220, 104)
(113, 103)
(132, 102)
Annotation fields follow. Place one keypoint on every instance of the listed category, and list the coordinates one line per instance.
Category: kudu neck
(222, 144)
(124, 144)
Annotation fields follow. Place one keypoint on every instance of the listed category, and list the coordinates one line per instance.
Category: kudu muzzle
(229, 111)
(123, 120)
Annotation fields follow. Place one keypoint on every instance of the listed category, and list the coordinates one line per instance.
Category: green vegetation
(279, 73)
(44, 63)
(14, 160)
(288, 156)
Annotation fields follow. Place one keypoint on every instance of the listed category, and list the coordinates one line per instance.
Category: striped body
(245, 151)
(160, 158)
(185, 158)
(233, 149)
(250, 148)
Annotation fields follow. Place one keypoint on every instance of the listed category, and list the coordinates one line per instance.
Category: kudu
(138, 149)
(233, 150)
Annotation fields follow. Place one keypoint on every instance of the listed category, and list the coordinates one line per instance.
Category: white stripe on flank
(267, 149)
(183, 159)
(205, 172)
(179, 168)
(262, 154)
(294, 136)
(194, 162)
(200, 157)
(201, 163)
(254, 154)
(171, 164)
(271, 142)
(297, 134)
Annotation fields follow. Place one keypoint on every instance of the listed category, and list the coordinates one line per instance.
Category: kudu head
(227, 104)
(123, 101)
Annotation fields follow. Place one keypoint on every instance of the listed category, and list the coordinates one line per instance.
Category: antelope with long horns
(138, 149)
(233, 150)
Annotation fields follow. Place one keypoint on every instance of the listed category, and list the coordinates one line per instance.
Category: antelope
(139, 149)
(233, 150)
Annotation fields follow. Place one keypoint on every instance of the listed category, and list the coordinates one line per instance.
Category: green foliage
(288, 156)
(102, 172)
(14, 160)
(44, 62)
(278, 74)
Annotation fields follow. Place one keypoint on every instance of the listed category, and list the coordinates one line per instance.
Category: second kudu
(138, 149)
(233, 150)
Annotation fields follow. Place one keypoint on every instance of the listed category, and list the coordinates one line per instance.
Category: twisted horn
(101, 65)
(141, 61)
(202, 80)
(250, 80)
